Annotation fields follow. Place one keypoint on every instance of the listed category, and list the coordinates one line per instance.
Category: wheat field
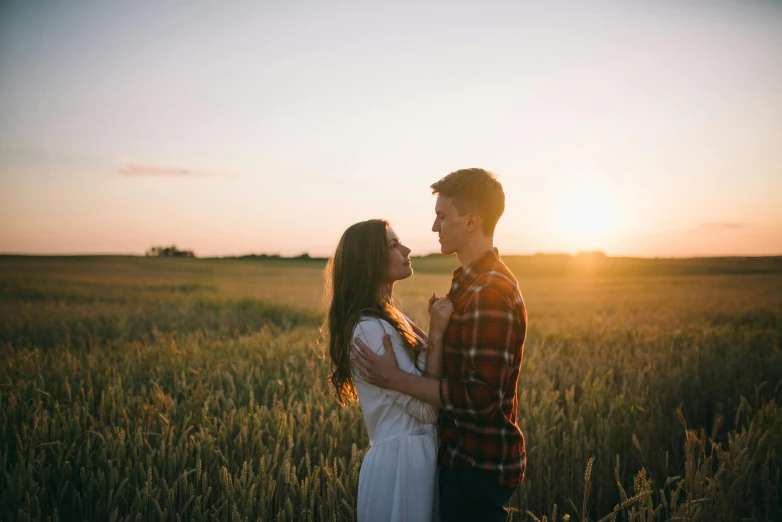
(187, 389)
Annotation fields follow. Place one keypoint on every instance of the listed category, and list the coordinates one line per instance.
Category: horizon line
(596, 253)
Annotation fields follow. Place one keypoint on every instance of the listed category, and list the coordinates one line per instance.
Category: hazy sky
(637, 128)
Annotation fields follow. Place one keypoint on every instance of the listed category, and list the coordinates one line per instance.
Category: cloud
(136, 170)
(722, 225)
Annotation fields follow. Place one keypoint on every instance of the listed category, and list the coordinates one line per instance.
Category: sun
(588, 217)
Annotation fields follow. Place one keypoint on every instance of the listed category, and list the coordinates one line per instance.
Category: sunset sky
(648, 128)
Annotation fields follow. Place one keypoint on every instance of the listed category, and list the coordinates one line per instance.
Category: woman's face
(399, 266)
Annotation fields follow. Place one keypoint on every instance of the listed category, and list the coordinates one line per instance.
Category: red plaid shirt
(483, 343)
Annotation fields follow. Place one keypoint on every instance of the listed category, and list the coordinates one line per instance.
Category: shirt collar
(464, 277)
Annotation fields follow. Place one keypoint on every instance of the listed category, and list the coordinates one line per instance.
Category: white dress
(398, 478)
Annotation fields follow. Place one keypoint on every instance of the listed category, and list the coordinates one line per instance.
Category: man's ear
(473, 222)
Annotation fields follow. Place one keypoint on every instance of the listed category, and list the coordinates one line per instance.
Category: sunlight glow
(589, 217)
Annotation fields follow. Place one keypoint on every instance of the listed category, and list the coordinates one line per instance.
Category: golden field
(187, 389)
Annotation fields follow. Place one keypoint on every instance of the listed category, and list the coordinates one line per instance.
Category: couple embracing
(440, 408)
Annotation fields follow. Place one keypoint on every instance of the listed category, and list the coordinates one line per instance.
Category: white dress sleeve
(371, 332)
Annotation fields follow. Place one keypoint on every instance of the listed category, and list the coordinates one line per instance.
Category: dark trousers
(470, 495)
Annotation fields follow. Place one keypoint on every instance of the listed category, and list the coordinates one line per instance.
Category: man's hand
(379, 370)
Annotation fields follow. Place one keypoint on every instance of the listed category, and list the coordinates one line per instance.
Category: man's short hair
(474, 190)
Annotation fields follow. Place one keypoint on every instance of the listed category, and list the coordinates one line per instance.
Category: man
(482, 455)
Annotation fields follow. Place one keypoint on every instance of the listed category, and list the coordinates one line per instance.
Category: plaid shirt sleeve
(489, 339)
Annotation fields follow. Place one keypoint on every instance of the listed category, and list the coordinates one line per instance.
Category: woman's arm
(440, 311)
(434, 358)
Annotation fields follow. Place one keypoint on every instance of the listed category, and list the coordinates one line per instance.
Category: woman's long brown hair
(353, 288)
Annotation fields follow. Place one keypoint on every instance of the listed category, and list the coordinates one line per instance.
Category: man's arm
(382, 371)
(422, 388)
(372, 335)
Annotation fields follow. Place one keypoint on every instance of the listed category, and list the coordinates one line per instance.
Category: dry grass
(153, 389)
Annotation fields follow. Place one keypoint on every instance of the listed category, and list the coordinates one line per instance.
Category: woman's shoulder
(372, 326)
(371, 330)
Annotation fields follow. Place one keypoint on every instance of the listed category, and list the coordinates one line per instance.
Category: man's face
(449, 225)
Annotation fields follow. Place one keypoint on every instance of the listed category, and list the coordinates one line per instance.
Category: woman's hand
(440, 310)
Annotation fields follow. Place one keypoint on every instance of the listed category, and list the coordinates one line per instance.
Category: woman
(397, 481)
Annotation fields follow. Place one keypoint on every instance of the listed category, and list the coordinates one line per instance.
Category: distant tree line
(169, 251)
(173, 251)
(302, 257)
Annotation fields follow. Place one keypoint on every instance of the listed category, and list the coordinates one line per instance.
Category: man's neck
(474, 249)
